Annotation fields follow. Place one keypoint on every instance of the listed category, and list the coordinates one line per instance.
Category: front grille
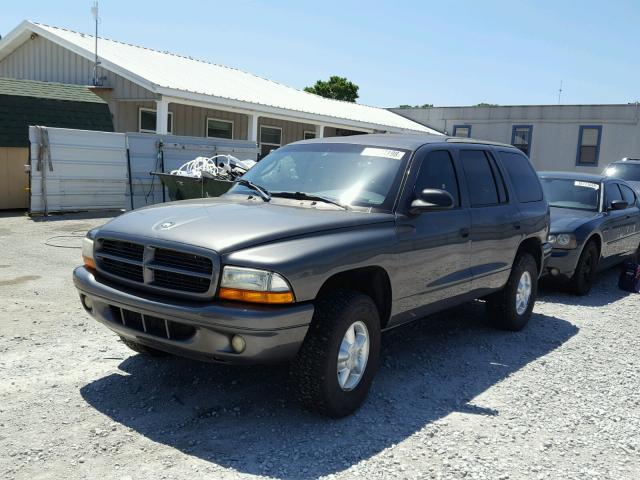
(180, 281)
(123, 269)
(155, 267)
(156, 326)
(132, 251)
(182, 260)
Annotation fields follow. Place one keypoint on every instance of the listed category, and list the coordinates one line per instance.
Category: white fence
(75, 170)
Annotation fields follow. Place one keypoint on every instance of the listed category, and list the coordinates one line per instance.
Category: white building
(152, 91)
(556, 137)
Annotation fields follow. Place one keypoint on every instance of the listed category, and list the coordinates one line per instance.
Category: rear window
(523, 177)
(624, 171)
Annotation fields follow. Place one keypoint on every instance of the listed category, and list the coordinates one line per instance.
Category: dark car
(595, 224)
(318, 249)
(626, 169)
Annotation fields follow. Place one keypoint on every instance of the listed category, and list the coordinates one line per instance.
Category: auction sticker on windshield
(382, 152)
(595, 186)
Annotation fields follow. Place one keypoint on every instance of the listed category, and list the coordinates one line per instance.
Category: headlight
(87, 252)
(563, 240)
(256, 286)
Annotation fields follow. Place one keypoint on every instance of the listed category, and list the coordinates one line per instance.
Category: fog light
(238, 343)
(555, 271)
(87, 303)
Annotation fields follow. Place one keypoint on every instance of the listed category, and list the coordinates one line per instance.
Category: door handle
(464, 232)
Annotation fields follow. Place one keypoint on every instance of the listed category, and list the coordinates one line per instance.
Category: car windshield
(348, 174)
(624, 171)
(570, 193)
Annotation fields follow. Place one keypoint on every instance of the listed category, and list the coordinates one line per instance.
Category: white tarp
(85, 170)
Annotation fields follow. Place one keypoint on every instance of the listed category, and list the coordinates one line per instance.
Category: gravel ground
(453, 398)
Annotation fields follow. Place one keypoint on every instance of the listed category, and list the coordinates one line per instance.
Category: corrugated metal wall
(89, 171)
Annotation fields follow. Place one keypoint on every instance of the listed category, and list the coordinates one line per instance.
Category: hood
(225, 225)
(568, 219)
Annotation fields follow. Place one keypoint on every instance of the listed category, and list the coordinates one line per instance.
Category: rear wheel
(582, 279)
(510, 308)
(337, 361)
(139, 348)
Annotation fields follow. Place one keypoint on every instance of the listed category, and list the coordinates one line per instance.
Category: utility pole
(94, 12)
(560, 92)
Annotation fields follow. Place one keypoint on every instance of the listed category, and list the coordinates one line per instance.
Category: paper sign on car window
(382, 152)
(595, 186)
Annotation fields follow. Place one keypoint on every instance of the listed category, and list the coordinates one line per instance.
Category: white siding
(555, 129)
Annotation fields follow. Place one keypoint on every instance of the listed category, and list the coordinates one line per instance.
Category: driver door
(434, 246)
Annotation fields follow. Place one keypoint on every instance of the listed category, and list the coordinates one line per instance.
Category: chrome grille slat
(158, 267)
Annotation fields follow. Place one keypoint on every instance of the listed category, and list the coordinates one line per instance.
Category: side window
(612, 192)
(437, 171)
(480, 178)
(523, 177)
(628, 195)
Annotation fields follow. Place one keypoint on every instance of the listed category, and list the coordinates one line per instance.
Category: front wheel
(337, 361)
(510, 308)
(582, 279)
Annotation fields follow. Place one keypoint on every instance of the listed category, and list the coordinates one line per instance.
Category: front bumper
(562, 263)
(272, 334)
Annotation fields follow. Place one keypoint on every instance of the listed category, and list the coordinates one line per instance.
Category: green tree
(424, 105)
(338, 88)
(483, 104)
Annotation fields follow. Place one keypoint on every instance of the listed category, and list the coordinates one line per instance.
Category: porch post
(162, 116)
(319, 131)
(252, 128)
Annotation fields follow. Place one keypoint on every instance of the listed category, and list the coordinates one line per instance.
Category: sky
(398, 52)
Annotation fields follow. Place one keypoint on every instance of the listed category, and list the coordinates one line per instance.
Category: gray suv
(317, 250)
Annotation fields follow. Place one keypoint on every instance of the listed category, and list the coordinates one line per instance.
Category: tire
(582, 279)
(504, 311)
(314, 371)
(143, 349)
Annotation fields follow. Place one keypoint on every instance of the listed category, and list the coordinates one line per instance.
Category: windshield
(624, 171)
(567, 193)
(354, 175)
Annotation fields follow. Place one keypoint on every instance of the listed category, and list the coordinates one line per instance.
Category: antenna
(560, 92)
(94, 11)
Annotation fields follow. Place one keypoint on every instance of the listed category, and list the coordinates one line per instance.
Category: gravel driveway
(453, 398)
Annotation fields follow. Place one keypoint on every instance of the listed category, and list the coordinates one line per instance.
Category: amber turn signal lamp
(89, 262)
(253, 296)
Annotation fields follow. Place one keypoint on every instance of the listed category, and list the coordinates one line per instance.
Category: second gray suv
(317, 250)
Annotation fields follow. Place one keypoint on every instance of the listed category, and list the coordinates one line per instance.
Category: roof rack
(477, 142)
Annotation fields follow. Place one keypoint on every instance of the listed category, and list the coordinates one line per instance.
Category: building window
(308, 134)
(521, 136)
(462, 131)
(147, 121)
(589, 145)
(270, 139)
(219, 128)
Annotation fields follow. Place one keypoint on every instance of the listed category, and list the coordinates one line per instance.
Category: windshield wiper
(311, 197)
(263, 192)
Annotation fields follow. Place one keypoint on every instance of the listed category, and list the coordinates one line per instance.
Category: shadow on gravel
(242, 418)
(604, 291)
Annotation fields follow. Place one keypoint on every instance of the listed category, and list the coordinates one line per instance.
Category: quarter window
(147, 121)
(480, 178)
(521, 138)
(437, 171)
(219, 128)
(589, 145)
(270, 139)
(523, 177)
(463, 131)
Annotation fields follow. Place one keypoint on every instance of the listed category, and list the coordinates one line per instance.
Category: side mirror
(431, 199)
(619, 205)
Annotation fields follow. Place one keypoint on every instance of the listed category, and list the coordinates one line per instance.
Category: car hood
(225, 225)
(568, 219)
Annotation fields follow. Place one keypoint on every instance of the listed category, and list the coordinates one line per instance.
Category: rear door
(614, 225)
(632, 219)
(433, 247)
(496, 231)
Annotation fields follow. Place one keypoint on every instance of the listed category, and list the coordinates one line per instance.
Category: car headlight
(255, 286)
(87, 249)
(563, 240)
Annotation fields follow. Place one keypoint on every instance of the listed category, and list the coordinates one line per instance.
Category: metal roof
(50, 90)
(191, 79)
